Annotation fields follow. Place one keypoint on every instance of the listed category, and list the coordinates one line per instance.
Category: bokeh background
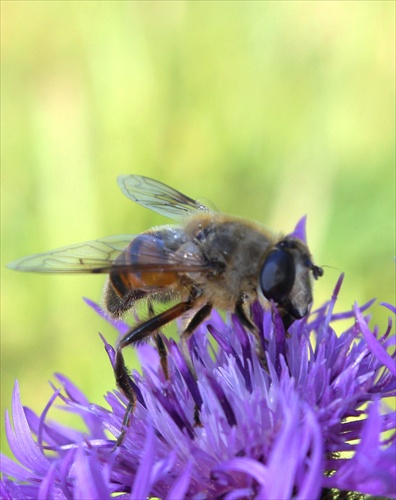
(272, 110)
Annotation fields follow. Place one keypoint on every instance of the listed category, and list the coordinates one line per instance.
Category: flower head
(311, 420)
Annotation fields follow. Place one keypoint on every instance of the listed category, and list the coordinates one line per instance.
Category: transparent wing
(158, 197)
(105, 255)
(91, 256)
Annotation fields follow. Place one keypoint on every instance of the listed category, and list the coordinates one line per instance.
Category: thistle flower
(310, 423)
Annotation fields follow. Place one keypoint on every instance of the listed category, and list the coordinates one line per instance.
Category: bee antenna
(332, 267)
(316, 271)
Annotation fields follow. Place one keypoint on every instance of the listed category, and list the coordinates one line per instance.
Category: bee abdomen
(149, 258)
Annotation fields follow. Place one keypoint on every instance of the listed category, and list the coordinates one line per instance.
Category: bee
(208, 260)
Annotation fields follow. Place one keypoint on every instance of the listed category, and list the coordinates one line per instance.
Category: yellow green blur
(272, 110)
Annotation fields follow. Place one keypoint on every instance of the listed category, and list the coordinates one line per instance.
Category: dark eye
(277, 275)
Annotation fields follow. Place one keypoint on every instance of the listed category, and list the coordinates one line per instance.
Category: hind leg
(137, 334)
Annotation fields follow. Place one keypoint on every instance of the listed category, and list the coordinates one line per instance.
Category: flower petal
(142, 482)
(89, 482)
(373, 343)
(181, 484)
(25, 449)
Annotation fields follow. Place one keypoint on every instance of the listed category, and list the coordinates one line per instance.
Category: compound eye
(277, 275)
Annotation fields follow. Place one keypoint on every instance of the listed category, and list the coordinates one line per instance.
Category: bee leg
(124, 383)
(137, 334)
(150, 308)
(196, 320)
(159, 342)
(287, 320)
(240, 311)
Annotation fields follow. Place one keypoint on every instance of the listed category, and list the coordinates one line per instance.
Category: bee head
(285, 277)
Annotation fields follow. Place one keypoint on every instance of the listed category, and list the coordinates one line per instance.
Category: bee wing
(158, 197)
(91, 256)
(101, 256)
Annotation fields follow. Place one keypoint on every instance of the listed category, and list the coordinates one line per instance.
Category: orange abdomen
(143, 265)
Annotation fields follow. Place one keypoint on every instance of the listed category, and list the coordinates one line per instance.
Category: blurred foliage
(272, 110)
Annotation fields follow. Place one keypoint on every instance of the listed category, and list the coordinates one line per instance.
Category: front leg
(244, 318)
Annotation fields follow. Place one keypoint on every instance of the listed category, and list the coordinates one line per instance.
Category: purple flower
(313, 420)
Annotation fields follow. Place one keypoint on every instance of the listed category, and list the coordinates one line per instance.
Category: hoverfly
(209, 260)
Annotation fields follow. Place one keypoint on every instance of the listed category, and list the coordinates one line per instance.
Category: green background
(272, 110)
